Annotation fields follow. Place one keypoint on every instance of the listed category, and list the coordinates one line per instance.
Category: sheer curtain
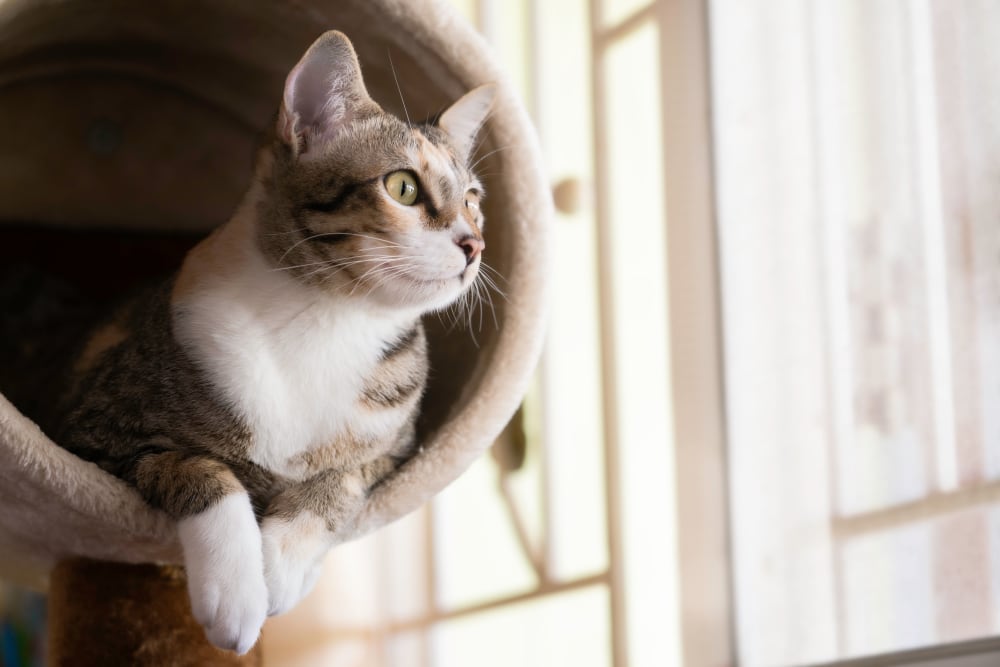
(858, 183)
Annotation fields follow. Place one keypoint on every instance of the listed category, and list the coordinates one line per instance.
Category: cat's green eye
(402, 186)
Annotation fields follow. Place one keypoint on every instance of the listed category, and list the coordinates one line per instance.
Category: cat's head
(362, 203)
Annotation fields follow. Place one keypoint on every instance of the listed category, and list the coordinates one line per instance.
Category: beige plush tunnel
(139, 118)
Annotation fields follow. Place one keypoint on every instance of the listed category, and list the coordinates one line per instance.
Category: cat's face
(362, 203)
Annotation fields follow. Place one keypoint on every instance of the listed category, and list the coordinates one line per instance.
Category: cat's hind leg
(220, 539)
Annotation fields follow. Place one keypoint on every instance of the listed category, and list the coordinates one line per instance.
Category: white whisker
(398, 89)
(384, 242)
(378, 270)
(337, 261)
(492, 152)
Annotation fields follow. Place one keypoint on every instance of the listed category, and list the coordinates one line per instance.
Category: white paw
(222, 553)
(293, 557)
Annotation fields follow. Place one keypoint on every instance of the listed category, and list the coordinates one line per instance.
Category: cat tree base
(103, 613)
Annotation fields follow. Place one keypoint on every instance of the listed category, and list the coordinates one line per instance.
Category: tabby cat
(260, 393)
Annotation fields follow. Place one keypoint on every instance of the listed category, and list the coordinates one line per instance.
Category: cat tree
(141, 118)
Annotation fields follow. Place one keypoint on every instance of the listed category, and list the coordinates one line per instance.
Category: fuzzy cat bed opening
(127, 132)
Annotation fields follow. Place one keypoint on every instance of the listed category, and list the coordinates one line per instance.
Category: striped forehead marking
(437, 169)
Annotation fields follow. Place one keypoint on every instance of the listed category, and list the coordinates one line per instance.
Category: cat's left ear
(462, 120)
(323, 93)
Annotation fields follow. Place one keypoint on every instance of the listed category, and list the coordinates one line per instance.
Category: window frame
(974, 653)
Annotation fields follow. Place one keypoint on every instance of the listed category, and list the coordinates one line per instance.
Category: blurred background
(766, 427)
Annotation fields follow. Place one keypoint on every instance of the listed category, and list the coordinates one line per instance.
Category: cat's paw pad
(222, 554)
(293, 558)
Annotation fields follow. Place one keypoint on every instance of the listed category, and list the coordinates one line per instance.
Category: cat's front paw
(232, 612)
(293, 557)
(222, 553)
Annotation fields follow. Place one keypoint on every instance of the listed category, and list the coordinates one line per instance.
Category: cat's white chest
(290, 366)
(298, 388)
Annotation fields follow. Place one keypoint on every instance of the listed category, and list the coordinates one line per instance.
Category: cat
(260, 393)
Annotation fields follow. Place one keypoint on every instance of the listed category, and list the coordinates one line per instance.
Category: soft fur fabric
(56, 506)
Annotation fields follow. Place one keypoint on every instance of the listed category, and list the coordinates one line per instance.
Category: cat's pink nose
(472, 247)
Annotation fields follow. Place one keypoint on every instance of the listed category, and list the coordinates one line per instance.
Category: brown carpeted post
(104, 614)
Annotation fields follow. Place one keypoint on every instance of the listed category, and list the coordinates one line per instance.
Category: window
(858, 157)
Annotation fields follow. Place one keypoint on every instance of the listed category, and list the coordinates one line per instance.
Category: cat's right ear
(463, 119)
(323, 93)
